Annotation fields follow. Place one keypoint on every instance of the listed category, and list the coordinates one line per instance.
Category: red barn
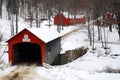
(60, 19)
(109, 16)
(34, 45)
(77, 20)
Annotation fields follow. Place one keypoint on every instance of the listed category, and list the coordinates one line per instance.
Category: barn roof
(61, 15)
(45, 34)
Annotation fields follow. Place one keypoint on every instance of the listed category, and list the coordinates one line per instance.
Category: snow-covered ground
(91, 66)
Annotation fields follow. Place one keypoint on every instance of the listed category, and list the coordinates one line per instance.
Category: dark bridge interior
(26, 52)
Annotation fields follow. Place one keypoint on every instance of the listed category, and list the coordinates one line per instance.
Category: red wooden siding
(19, 38)
(60, 19)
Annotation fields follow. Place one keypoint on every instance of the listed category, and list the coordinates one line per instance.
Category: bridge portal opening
(27, 52)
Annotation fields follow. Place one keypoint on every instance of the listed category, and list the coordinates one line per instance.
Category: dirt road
(23, 72)
(72, 32)
(64, 37)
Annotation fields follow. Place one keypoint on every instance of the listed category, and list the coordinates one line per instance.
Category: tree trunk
(105, 41)
(110, 28)
(93, 48)
(89, 31)
(98, 23)
(110, 25)
(9, 9)
(1, 1)
(12, 25)
(49, 22)
(62, 21)
(37, 25)
(74, 18)
(31, 18)
(101, 37)
(58, 28)
(16, 23)
(17, 13)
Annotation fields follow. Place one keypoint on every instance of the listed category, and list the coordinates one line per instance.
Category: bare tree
(1, 37)
(1, 2)
(17, 13)
(116, 10)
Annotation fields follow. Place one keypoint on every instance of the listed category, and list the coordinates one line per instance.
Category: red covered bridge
(60, 19)
(34, 45)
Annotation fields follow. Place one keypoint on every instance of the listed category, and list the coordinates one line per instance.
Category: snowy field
(91, 66)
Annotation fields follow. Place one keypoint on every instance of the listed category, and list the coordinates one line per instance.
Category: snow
(76, 40)
(88, 67)
(7, 71)
(44, 34)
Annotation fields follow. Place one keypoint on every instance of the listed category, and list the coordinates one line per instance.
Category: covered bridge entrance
(27, 52)
(34, 45)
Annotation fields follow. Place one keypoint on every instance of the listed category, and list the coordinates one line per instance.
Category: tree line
(38, 9)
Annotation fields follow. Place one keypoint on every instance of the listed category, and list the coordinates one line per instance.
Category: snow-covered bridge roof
(45, 34)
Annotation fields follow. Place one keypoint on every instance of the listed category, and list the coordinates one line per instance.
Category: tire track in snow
(34, 76)
(19, 73)
(9, 75)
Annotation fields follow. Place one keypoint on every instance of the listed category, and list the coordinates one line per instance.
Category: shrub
(109, 69)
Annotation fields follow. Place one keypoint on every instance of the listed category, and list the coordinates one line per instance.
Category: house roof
(60, 14)
(45, 34)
